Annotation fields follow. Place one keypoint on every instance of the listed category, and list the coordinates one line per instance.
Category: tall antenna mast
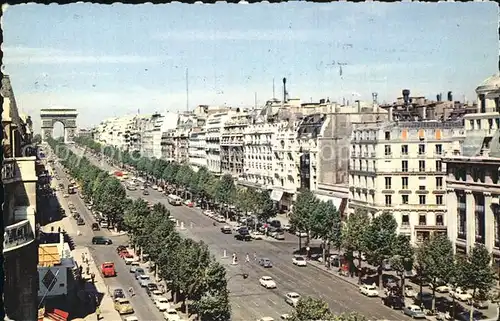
(274, 96)
(255, 97)
(187, 89)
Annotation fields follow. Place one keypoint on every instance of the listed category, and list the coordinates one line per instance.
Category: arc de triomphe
(65, 116)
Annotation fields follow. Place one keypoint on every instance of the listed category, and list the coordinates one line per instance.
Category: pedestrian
(83, 257)
(52, 229)
(247, 258)
(98, 313)
(87, 270)
(59, 229)
(255, 256)
(92, 277)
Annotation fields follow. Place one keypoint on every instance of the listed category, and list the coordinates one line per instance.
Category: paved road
(251, 301)
(143, 306)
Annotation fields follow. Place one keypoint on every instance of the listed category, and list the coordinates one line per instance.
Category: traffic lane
(142, 304)
(342, 297)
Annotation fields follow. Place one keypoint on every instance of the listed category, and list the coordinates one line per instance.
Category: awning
(276, 195)
(325, 198)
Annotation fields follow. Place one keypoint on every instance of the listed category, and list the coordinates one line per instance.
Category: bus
(174, 200)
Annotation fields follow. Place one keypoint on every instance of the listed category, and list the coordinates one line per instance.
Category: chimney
(284, 90)
(438, 97)
(358, 104)
(375, 102)
(406, 96)
(321, 101)
(391, 110)
(450, 96)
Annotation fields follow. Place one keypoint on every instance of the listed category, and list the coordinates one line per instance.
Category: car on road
(132, 318)
(226, 229)
(243, 235)
(301, 234)
(256, 235)
(266, 319)
(409, 291)
(265, 262)
(134, 266)
(460, 294)
(145, 192)
(394, 301)
(292, 298)
(286, 227)
(220, 218)
(150, 287)
(299, 260)
(279, 236)
(267, 282)
(188, 203)
(123, 306)
(138, 272)
(414, 311)
(162, 304)
(80, 221)
(101, 240)
(118, 293)
(95, 227)
(171, 315)
(369, 290)
(144, 280)
(65, 195)
(130, 260)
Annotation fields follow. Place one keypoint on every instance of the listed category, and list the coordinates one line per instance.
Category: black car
(145, 192)
(243, 235)
(118, 293)
(80, 221)
(394, 302)
(101, 240)
(150, 288)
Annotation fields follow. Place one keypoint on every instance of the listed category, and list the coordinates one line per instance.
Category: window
(439, 166)
(439, 149)
(421, 199)
(422, 219)
(439, 199)
(388, 200)
(404, 199)
(404, 182)
(388, 183)
(387, 135)
(421, 149)
(387, 150)
(439, 219)
(404, 150)
(405, 219)
(421, 188)
(439, 182)
(404, 166)
(421, 166)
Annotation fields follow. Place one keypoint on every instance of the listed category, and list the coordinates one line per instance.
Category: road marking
(272, 301)
(256, 304)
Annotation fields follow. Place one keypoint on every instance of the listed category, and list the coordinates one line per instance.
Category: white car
(369, 290)
(156, 294)
(155, 187)
(256, 235)
(460, 294)
(142, 188)
(266, 319)
(144, 280)
(286, 227)
(441, 288)
(160, 189)
(65, 195)
(267, 282)
(299, 260)
(292, 298)
(162, 304)
(409, 291)
(171, 315)
(130, 260)
(301, 234)
(220, 219)
(133, 266)
(132, 318)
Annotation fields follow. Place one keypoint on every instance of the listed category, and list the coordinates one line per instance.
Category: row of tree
(193, 273)
(200, 184)
(309, 308)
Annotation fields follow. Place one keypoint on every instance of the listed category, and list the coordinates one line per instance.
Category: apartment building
(231, 143)
(181, 137)
(473, 192)
(120, 132)
(168, 145)
(214, 125)
(19, 179)
(197, 148)
(396, 166)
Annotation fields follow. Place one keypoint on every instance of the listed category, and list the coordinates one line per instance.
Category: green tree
(225, 191)
(353, 236)
(326, 225)
(264, 206)
(353, 316)
(476, 273)
(379, 239)
(135, 220)
(402, 256)
(37, 139)
(212, 307)
(303, 208)
(436, 257)
(309, 308)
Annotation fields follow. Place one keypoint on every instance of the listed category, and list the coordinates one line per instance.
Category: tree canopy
(309, 308)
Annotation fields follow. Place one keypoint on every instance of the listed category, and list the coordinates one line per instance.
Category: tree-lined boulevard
(206, 287)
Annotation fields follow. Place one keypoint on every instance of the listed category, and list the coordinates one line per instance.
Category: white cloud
(27, 55)
(251, 35)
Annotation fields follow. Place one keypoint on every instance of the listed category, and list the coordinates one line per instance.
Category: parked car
(440, 287)
(264, 262)
(369, 290)
(95, 227)
(256, 235)
(279, 236)
(80, 221)
(292, 298)
(226, 229)
(134, 266)
(299, 260)
(460, 294)
(267, 282)
(394, 302)
(414, 311)
(171, 315)
(123, 306)
(162, 304)
(143, 280)
(156, 294)
(409, 291)
(118, 293)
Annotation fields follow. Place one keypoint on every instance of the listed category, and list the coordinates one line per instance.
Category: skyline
(324, 50)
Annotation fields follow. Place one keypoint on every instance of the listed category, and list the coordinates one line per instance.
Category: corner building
(397, 167)
(473, 176)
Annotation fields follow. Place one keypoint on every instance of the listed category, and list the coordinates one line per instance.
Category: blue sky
(113, 60)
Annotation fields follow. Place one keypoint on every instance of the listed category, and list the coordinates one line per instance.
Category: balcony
(17, 235)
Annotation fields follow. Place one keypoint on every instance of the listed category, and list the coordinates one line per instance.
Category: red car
(125, 254)
(188, 203)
